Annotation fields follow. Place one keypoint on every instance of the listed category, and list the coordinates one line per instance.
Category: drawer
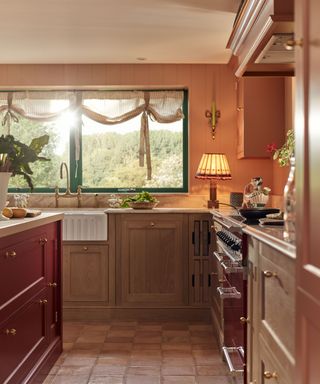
(277, 300)
(22, 339)
(270, 370)
(23, 264)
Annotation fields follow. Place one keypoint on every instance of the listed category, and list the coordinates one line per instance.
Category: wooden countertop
(13, 226)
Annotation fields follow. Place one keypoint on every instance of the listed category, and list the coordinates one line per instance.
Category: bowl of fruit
(143, 200)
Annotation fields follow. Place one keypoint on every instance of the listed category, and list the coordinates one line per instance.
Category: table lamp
(213, 166)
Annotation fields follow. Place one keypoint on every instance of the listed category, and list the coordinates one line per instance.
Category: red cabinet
(30, 302)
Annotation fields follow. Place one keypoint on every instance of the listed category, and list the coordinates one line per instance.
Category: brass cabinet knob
(291, 43)
(43, 240)
(85, 248)
(221, 281)
(11, 332)
(52, 285)
(244, 320)
(270, 375)
(12, 254)
(214, 274)
(152, 224)
(269, 274)
(44, 301)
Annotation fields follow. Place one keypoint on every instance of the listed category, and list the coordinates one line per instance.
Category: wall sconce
(213, 117)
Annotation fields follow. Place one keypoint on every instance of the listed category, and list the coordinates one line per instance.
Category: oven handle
(229, 293)
(219, 256)
(231, 269)
(231, 228)
(231, 367)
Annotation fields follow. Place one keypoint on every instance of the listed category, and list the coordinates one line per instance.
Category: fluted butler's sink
(85, 225)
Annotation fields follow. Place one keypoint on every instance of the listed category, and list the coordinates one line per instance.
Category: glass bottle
(290, 205)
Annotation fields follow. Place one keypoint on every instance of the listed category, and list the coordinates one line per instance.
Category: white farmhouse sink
(85, 225)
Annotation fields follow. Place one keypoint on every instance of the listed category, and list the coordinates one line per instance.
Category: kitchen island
(30, 297)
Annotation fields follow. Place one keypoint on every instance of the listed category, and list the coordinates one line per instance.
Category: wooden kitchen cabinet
(151, 260)
(86, 270)
(260, 115)
(30, 302)
(271, 308)
(201, 245)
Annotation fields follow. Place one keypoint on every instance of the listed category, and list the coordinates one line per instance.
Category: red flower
(271, 147)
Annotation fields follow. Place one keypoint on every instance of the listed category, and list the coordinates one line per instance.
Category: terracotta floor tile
(202, 340)
(106, 370)
(117, 346)
(67, 346)
(79, 361)
(175, 326)
(139, 379)
(176, 361)
(200, 327)
(71, 370)
(124, 323)
(178, 380)
(144, 346)
(107, 380)
(148, 333)
(180, 370)
(144, 362)
(48, 379)
(213, 380)
(176, 347)
(147, 339)
(149, 327)
(115, 327)
(121, 333)
(181, 332)
(147, 353)
(77, 379)
(111, 360)
(212, 370)
(174, 354)
(148, 371)
(205, 347)
(118, 339)
(176, 339)
(201, 333)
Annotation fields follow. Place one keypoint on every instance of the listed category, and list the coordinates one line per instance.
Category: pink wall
(205, 83)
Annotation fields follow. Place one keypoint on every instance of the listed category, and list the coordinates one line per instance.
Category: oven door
(230, 293)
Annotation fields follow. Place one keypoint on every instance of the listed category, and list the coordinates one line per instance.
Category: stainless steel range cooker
(229, 290)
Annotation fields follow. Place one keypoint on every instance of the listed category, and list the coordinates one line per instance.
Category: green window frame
(75, 167)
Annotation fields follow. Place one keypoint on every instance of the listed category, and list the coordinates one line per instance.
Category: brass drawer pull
(152, 224)
(52, 285)
(43, 241)
(44, 301)
(269, 274)
(244, 320)
(11, 332)
(222, 281)
(290, 44)
(270, 375)
(11, 254)
(85, 248)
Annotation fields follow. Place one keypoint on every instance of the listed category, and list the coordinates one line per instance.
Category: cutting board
(33, 212)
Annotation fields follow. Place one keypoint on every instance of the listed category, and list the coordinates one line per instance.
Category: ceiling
(116, 31)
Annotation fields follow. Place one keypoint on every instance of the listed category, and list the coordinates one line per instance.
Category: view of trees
(110, 160)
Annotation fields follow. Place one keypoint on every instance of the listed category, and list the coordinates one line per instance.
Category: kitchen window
(113, 141)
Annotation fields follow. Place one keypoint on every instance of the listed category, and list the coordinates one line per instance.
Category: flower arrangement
(16, 156)
(284, 153)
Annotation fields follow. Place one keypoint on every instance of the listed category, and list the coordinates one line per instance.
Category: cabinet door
(153, 259)
(23, 339)
(260, 115)
(200, 259)
(85, 274)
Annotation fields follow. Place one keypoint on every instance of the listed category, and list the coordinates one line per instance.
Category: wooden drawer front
(270, 370)
(22, 340)
(22, 265)
(277, 300)
(85, 273)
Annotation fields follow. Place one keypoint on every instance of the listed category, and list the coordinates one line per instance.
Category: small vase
(4, 181)
(290, 205)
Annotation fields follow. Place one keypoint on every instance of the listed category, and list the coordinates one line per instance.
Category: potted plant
(15, 158)
(283, 154)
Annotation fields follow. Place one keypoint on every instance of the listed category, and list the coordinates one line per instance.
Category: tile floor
(138, 353)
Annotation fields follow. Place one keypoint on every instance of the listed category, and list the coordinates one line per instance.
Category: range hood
(276, 51)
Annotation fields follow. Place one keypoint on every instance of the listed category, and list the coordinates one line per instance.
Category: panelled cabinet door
(153, 259)
(260, 115)
(85, 274)
(23, 339)
(200, 259)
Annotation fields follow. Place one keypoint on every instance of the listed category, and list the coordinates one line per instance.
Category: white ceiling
(116, 31)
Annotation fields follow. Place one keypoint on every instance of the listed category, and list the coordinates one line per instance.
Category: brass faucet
(67, 193)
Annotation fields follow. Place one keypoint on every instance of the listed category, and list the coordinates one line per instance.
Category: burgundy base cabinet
(30, 303)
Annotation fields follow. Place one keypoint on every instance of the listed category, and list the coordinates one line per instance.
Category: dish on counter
(270, 221)
(254, 214)
(142, 204)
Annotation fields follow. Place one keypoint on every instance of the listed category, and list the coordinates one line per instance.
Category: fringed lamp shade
(213, 166)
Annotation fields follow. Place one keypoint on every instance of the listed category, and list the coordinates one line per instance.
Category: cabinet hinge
(56, 317)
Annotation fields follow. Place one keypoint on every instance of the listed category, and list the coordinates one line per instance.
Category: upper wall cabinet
(261, 115)
(262, 38)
